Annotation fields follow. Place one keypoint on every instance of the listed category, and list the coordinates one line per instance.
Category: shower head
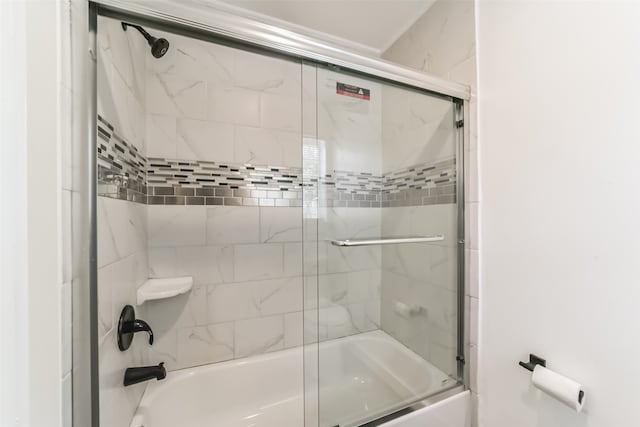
(158, 46)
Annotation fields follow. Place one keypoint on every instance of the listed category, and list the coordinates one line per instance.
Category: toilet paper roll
(560, 387)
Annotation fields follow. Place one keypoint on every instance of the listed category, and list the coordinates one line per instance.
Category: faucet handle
(138, 325)
(128, 325)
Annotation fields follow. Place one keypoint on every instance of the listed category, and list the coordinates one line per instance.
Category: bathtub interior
(371, 375)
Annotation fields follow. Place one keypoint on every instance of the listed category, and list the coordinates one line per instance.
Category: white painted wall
(13, 226)
(35, 360)
(560, 237)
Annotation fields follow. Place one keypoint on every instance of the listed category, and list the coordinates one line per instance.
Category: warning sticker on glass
(353, 91)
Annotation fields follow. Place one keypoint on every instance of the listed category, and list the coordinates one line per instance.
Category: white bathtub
(361, 377)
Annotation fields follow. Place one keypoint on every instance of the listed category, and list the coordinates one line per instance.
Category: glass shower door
(381, 267)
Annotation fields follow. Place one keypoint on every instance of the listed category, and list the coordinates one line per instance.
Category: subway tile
(215, 201)
(195, 200)
(204, 191)
(233, 201)
(181, 191)
(174, 200)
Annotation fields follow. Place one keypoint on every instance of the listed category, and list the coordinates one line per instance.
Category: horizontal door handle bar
(395, 241)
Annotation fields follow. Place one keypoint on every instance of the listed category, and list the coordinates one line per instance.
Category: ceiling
(375, 24)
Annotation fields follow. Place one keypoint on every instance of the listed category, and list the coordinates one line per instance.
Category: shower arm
(144, 33)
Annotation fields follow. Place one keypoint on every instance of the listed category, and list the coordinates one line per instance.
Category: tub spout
(144, 373)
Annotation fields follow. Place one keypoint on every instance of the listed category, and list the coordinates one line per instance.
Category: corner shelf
(154, 289)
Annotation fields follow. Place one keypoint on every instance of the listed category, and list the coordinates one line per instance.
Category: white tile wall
(349, 129)
(217, 103)
(247, 266)
(205, 344)
(121, 79)
(442, 42)
(122, 225)
(226, 224)
(173, 226)
(210, 102)
(259, 335)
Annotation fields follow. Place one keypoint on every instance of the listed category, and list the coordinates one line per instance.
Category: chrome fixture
(393, 241)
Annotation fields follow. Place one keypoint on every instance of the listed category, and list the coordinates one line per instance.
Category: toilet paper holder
(537, 360)
(533, 361)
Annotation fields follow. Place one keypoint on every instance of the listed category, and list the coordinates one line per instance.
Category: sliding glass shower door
(381, 232)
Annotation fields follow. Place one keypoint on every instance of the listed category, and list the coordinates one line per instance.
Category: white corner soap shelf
(163, 288)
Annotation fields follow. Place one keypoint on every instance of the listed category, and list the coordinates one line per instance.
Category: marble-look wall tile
(165, 348)
(293, 329)
(275, 76)
(280, 224)
(204, 140)
(176, 95)
(121, 79)
(161, 134)
(259, 335)
(416, 129)
(293, 259)
(423, 277)
(205, 344)
(259, 261)
(122, 228)
(206, 264)
(223, 104)
(442, 42)
(176, 226)
(118, 403)
(244, 300)
(349, 129)
(186, 310)
(230, 224)
(255, 145)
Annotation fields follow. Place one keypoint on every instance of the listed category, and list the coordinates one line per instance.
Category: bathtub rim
(397, 411)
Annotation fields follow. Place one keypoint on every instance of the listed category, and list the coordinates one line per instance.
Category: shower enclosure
(286, 218)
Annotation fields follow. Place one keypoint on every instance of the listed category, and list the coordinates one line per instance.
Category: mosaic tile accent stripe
(121, 168)
(214, 183)
(124, 173)
(426, 184)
